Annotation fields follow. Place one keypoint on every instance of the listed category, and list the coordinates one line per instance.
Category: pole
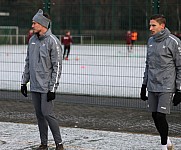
(130, 14)
(80, 19)
(46, 6)
(113, 21)
(156, 6)
(46, 9)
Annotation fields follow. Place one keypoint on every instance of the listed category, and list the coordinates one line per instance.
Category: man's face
(36, 27)
(155, 27)
(68, 33)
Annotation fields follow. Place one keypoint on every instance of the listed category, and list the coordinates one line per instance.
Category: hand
(177, 98)
(143, 93)
(24, 90)
(50, 96)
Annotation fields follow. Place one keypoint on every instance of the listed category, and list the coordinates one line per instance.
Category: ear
(163, 26)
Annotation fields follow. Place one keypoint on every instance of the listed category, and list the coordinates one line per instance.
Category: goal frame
(12, 27)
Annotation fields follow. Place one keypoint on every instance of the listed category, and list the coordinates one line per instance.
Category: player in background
(30, 34)
(66, 41)
(134, 37)
(129, 40)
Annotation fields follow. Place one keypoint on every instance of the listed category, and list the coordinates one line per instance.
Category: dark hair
(159, 18)
(46, 15)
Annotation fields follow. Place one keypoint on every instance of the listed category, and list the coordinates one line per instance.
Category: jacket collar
(45, 35)
(160, 36)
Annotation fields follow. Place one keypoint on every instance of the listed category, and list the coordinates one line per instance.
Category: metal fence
(100, 63)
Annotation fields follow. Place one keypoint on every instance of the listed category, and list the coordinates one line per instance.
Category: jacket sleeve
(178, 64)
(26, 72)
(145, 76)
(56, 62)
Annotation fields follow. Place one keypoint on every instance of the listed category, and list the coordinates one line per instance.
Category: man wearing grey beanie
(43, 65)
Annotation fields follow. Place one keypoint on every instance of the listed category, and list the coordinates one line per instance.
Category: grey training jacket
(163, 63)
(43, 63)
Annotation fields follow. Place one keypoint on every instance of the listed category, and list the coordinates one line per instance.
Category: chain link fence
(101, 68)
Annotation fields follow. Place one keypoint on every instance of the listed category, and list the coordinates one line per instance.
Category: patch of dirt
(117, 119)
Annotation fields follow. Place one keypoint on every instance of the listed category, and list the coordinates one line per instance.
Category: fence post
(156, 6)
(81, 17)
(130, 14)
(46, 6)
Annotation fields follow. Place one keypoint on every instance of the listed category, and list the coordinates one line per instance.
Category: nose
(32, 25)
(151, 28)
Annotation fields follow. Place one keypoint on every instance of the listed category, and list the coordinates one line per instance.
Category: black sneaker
(59, 147)
(42, 147)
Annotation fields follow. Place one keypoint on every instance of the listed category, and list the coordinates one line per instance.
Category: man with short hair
(162, 76)
(43, 66)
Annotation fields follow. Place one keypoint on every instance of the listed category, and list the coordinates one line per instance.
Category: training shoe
(66, 58)
(42, 147)
(59, 147)
(170, 147)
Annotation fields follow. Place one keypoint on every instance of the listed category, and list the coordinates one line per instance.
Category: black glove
(50, 96)
(177, 98)
(24, 90)
(143, 93)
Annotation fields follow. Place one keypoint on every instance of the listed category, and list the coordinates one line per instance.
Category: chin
(34, 32)
(152, 33)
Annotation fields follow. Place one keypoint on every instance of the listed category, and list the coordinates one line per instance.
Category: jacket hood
(160, 36)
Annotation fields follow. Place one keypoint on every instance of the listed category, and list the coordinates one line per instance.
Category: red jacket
(66, 40)
(128, 38)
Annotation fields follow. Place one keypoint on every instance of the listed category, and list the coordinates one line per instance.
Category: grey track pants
(46, 117)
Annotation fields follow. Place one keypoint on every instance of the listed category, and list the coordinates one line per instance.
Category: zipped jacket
(163, 63)
(43, 63)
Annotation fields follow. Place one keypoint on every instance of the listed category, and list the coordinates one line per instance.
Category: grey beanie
(41, 19)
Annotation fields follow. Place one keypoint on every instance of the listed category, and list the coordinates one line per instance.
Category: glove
(50, 96)
(143, 93)
(24, 90)
(177, 98)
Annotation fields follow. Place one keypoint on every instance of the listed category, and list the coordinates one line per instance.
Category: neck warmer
(160, 36)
